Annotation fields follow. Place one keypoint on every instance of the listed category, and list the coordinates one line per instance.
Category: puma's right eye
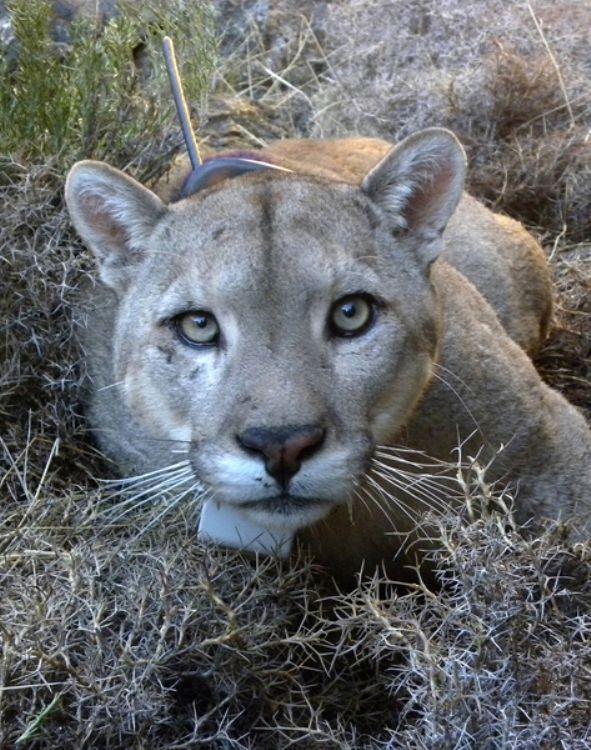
(197, 328)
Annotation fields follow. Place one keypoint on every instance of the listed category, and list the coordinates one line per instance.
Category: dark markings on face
(218, 232)
(267, 220)
(263, 205)
(168, 353)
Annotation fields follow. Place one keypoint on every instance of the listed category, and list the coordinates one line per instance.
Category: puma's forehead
(262, 237)
(265, 215)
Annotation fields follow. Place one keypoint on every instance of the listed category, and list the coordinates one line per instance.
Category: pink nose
(283, 448)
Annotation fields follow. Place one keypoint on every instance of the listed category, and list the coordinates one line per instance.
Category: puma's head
(281, 324)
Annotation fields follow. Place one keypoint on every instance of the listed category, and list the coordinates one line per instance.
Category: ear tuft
(114, 215)
(419, 183)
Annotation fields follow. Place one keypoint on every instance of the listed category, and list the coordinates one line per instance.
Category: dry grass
(113, 638)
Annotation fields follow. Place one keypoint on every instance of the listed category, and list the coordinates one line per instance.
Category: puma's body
(281, 412)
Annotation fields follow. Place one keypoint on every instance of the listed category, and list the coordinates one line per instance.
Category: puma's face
(278, 325)
(282, 343)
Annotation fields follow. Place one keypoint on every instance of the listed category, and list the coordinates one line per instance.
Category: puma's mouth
(285, 504)
(286, 513)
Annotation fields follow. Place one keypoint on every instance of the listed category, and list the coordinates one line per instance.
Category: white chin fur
(288, 522)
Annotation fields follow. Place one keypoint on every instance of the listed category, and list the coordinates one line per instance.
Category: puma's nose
(283, 448)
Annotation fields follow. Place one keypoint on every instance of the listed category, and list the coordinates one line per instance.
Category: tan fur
(268, 254)
(504, 262)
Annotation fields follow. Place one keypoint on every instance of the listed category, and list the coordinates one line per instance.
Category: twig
(554, 62)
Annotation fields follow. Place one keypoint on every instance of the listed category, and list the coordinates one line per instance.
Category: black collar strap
(219, 168)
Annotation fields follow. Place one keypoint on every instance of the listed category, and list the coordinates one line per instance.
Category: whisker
(425, 486)
(427, 500)
(385, 502)
(357, 492)
(145, 488)
(141, 481)
(370, 500)
(392, 500)
(441, 468)
(167, 509)
(111, 385)
(428, 488)
(404, 536)
(124, 498)
(402, 448)
(405, 449)
(441, 475)
(391, 452)
(454, 375)
(430, 482)
(161, 470)
(453, 390)
(151, 491)
(133, 504)
(142, 436)
(438, 483)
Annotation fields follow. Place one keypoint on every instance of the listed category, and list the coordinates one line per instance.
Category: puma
(314, 343)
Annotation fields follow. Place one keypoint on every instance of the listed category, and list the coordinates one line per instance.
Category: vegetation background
(118, 630)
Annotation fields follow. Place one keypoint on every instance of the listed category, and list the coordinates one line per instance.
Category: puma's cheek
(392, 411)
(147, 404)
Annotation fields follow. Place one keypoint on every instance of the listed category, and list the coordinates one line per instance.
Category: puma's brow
(179, 302)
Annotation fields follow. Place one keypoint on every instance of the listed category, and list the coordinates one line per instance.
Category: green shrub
(102, 94)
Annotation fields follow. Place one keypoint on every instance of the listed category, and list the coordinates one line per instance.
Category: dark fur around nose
(283, 448)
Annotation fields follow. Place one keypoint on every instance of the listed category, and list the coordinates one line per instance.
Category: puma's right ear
(114, 215)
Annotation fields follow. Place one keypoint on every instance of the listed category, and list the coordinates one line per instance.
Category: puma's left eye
(352, 315)
(197, 328)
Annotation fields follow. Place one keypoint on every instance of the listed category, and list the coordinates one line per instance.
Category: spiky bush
(117, 637)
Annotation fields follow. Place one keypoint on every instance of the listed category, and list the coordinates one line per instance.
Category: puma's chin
(286, 512)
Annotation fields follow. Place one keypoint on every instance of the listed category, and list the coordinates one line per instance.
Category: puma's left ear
(419, 183)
